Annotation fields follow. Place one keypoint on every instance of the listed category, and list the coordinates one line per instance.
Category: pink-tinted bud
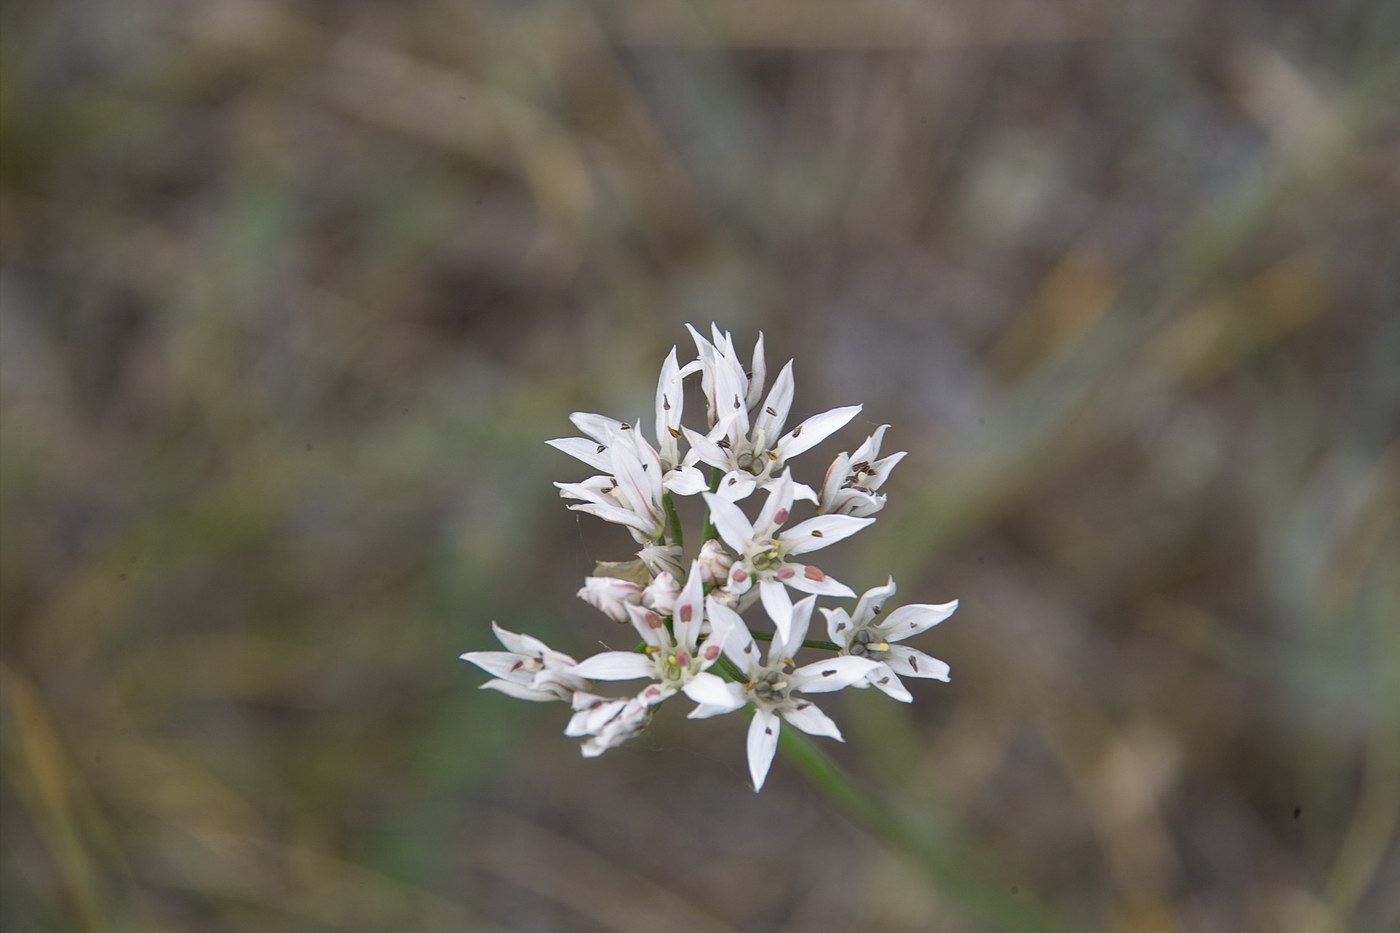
(740, 576)
(611, 596)
(714, 562)
(661, 593)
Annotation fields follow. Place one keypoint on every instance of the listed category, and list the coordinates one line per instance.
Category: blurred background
(293, 293)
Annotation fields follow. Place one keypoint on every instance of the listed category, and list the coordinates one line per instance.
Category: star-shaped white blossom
(528, 669)
(852, 480)
(673, 655)
(765, 549)
(771, 686)
(866, 635)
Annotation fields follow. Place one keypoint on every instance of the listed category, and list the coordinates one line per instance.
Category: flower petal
(730, 522)
(713, 692)
(582, 448)
(838, 625)
(738, 643)
(736, 485)
(831, 674)
(763, 743)
(689, 613)
(779, 608)
(814, 430)
(775, 511)
(599, 427)
(797, 629)
(912, 662)
(805, 716)
(546, 694)
(620, 516)
(686, 481)
(773, 415)
(615, 665)
(809, 579)
(495, 663)
(907, 621)
(888, 681)
(758, 372)
(816, 533)
(872, 601)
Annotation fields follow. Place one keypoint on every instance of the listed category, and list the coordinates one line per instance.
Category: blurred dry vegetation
(293, 293)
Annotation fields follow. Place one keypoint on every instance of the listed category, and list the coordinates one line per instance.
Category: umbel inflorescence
(689, 609)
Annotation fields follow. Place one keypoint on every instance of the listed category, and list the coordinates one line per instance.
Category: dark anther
(769, 409)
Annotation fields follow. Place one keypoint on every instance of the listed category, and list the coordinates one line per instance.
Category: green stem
(731, 670)
(677, 535)
(806, 642)
(963, 875)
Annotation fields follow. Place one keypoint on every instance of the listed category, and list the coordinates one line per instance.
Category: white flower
(771, 686)
(765, 549)
(635, 475)
(606, 723)
(528, 669)
(611, 596)
(852, 480)
(663, 558)
(752, 452)
(860, 635)
(673, 656)
(661, 594)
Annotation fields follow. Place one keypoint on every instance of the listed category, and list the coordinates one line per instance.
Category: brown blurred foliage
(293, 292)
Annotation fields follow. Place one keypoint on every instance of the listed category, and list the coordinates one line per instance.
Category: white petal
(914, 663)
(809, 719)
(638, 473)
(778, 507)
(599, 427)
(705, 449)
(803, 491)
(814, 430)
(907, 621)
(869, 451)
(758, 372)
(615, 665)
(779, 608)
(736, 485)
(880, 470)
(738, 643)
(832, 674)
(520, 644)
(521, 692)
(809, 579)
(690, 610)
(763, 743)
(871, 602)
(838, 625)
(831, 484)
(495, 663)
(730, 522)
(686, 481)
(713, 692)
(888, 681)
(816, 533)
(649, 625)
(620, 516)
(584, 449)
(773, 415)
(801, 613)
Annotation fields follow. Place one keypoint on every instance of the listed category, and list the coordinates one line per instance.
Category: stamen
(769, 409)
(674, 432)
(817, 534)
(814, 573)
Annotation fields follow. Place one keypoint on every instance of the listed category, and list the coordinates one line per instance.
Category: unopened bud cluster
(689, 612)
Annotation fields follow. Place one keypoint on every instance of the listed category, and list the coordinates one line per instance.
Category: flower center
(866, 643)
(770, 688)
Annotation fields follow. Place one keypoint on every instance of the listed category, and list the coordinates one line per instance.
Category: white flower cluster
(689, 613)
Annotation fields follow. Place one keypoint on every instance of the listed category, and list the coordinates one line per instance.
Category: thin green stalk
(677, 534)
(806, 642)
(950, 859)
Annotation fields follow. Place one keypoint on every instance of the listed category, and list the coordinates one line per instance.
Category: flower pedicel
(689, 611)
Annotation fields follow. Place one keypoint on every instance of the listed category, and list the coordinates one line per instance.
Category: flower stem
(677, 535)
(806, 642)
(964, 877)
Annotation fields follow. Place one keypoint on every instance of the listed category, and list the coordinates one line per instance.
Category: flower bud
(661, 593)
(715, 562)
(659, 557)
(611, 596)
